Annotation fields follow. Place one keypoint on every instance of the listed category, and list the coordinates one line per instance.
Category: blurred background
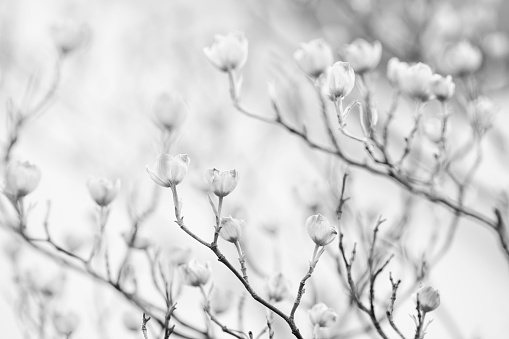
(101, 122)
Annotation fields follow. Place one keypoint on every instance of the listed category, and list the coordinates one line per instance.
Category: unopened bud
(21, 178)
(442, 88)
(322, 316)
(102, 190)
(222, 183)
(196, 274)
(170, 110)
(320, 230)
(69, 35)
(339, 81)
(429, 298)
(314, 57)
(363, 56)
(169, 170)
(231, 229)
(228, 52)
(179, 256)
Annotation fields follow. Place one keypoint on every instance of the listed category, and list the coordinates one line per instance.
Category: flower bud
(66, 323)
(132, 321)
(73, 242)
(416, 81)
(320, 230)
(363, 56)
(68, 35)
(221, 300)
(102, 190)
(481, 112)
(169, 170)
(461, 58)
(314, 57)
(395, 71)
(442, 88)
(222, 183)
(496, 45)
(179, 256)
(21, 178)
(429, 298)
(231, 229)
(322, 316)
(170, 110)
(228, 52)
(196, 274)
(339, 80)
(277, 287)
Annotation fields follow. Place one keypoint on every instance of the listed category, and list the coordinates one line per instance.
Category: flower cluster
(419, 81)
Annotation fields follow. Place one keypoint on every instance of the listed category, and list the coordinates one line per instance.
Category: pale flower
(442, 88)
(170, 110)
(228, 52)
(66, 324)
(322, 316)
(221, 183)
(169, 170)
(428, 297)
(339, 81)
(21, 178)
(461, 58)
(416, 81)
(68, 35)
(102, 190)
(363, 56)
(320, 230)
(195, 273)
(314, 57)
(395, 71)
(231, 229)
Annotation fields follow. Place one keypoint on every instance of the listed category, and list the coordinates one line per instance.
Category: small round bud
(21, 178)
(442, 88)
(222, 183)
(496, 45)
(228, 52)
(231, 229)
(320, 230)
(429, 298)
(314, 57)
(363, 56)
(277, 287)
(195, 273)
(102, 190)
(169, 170)
(339, 81)
(322, 316)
